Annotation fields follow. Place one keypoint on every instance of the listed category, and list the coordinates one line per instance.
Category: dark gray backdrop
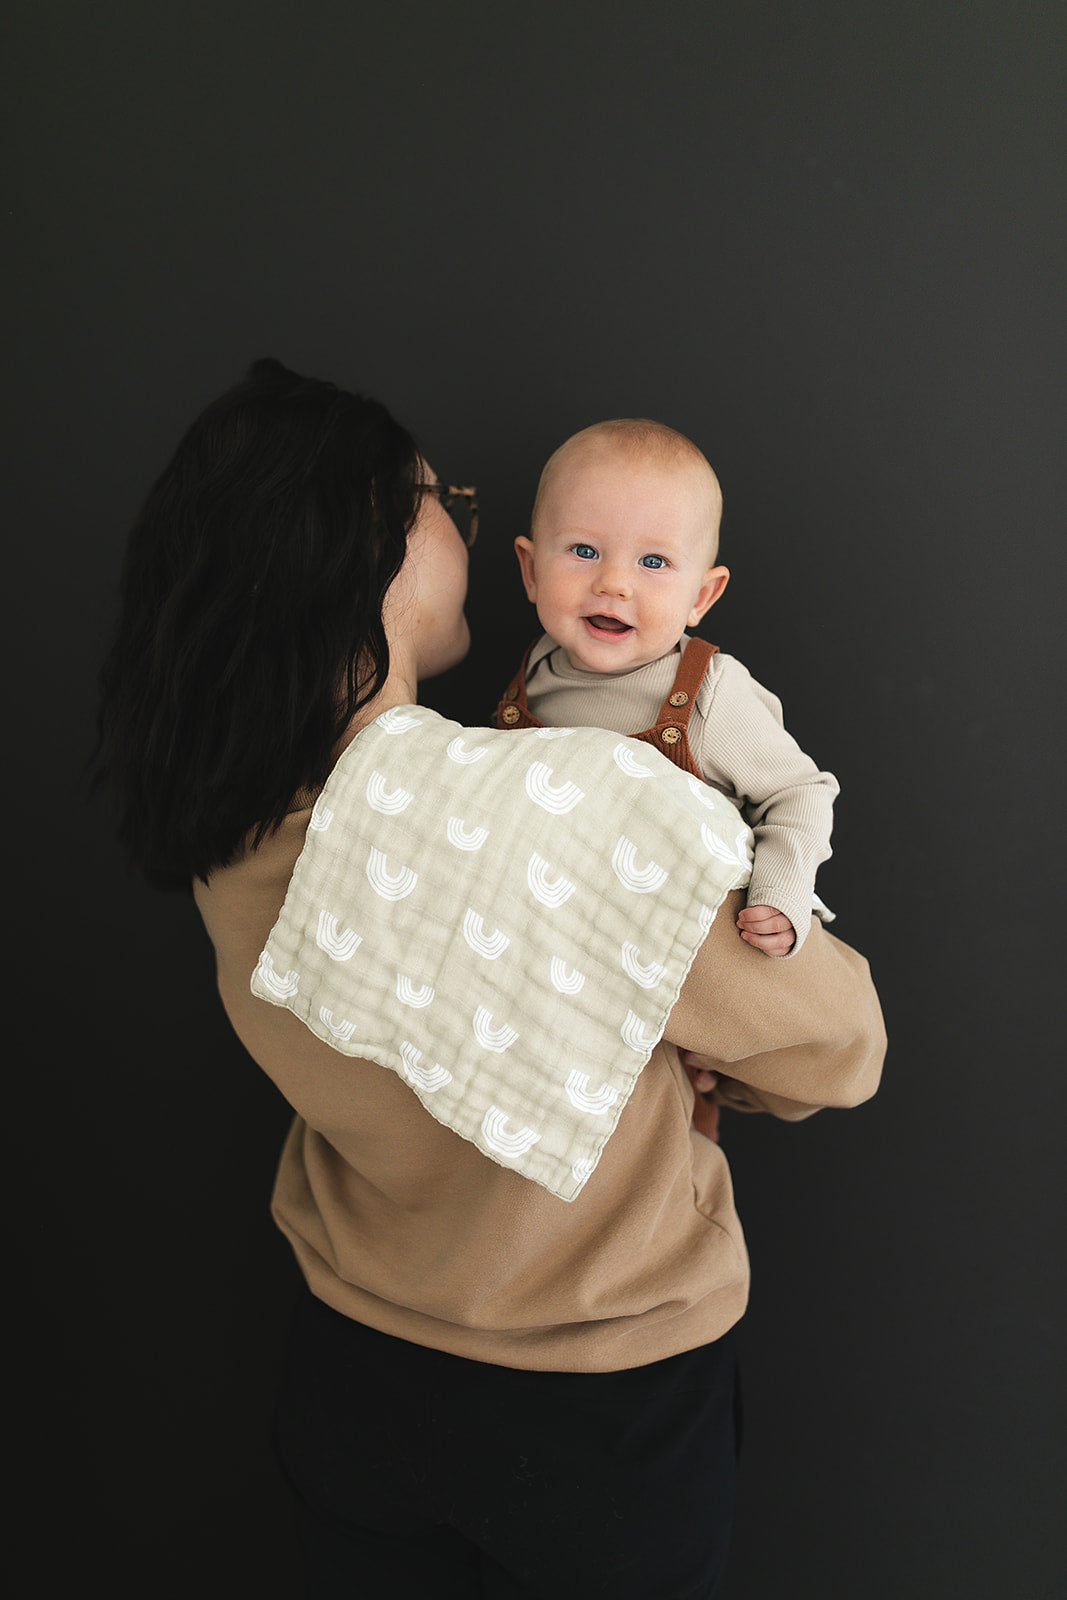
(826, 241)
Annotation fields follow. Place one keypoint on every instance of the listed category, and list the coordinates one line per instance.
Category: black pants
(422, 1476)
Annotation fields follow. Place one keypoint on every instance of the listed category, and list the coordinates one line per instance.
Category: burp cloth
(504, 919)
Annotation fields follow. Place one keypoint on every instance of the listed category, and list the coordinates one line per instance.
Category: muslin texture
(504, 919)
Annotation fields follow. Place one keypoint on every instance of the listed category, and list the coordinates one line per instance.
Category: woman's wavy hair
(250, 627)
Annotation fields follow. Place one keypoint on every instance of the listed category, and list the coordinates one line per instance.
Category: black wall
(825, 240)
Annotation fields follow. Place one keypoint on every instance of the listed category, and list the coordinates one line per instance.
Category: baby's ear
(712, 586)
(525, 551)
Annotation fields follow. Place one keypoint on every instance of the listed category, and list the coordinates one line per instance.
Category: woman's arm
(797, 1035)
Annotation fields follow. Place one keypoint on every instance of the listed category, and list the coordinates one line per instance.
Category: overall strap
(512, 710)
(669, 734)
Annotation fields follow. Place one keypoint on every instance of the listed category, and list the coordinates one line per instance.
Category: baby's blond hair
(636, 438)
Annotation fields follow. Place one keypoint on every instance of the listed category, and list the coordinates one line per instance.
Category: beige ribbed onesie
(740, 746)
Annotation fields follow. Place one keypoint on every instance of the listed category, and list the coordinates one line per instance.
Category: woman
(487, 1392)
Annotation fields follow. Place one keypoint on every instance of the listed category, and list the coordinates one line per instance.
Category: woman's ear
(712, 586)
(525, 551)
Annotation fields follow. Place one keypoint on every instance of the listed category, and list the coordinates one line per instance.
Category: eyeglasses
(461, 503)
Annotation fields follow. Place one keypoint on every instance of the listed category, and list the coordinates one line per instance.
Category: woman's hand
(706, 1105)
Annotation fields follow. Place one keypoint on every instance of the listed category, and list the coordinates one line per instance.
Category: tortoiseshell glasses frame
(449, 494)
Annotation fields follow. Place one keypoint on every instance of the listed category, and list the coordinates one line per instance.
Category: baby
(620, 561)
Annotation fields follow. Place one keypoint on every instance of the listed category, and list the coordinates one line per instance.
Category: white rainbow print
(489, 945)
(558, 798)
(633, 1034)
(411, 994)
(577, 1087)
(284, 986)
(553, 733)
(337, 945)
(627, 762)
(551, 892)
(465, 838)
(642, 880)
(702, 792)
(567, 980)
(647, 975)
(390, 885)
(429, 1079)
(340, 1030)
(321, 817)
(388, 802)
(496, 1135)
(582, 1171)
(395, 720)
(496, 1039)
(721, 850)
(457, 751)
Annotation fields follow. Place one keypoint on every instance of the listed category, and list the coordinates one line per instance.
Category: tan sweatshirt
(401, 1224)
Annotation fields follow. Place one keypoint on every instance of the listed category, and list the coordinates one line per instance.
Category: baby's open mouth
(608, 624)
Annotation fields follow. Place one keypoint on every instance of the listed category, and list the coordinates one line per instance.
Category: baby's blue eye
(584, 552)
(655, 562)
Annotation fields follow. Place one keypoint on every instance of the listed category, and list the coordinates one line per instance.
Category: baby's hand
(769, 930)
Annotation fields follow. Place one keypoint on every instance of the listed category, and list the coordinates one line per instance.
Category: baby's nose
(613, 578)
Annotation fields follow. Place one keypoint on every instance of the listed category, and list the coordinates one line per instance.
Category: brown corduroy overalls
(669, 733)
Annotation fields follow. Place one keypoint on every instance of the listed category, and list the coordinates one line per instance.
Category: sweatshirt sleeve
(793, 1035)
(786, 800)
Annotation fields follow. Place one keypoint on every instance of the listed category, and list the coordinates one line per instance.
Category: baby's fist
(769, 930)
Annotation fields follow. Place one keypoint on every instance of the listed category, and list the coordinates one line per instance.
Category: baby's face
(620, 559)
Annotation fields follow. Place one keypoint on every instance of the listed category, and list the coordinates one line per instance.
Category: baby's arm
(785, 1037)
(787, 801)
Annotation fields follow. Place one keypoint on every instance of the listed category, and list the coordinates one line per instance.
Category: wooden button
(510, 714)
(678, 698)
(671, 735)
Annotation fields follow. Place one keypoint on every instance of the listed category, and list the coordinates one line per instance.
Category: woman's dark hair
(250, 628)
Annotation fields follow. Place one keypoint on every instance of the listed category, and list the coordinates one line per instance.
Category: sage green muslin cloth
(504, 919)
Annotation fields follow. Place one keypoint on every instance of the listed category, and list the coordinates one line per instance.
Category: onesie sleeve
(746, 749)
(792, 1036)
